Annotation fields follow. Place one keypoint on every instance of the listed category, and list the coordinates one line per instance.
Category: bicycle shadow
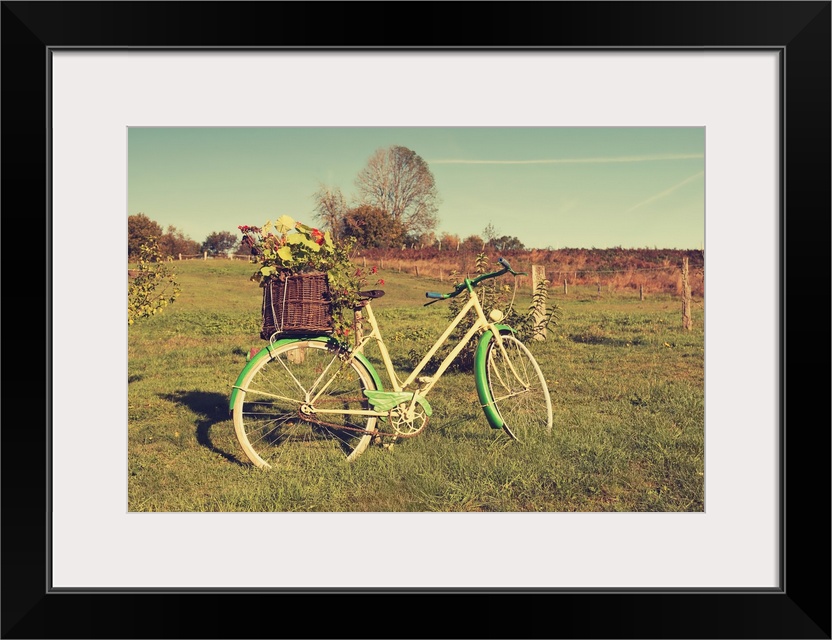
(211, 409)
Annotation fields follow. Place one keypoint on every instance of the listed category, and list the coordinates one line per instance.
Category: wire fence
(435, 265)
(675, 278)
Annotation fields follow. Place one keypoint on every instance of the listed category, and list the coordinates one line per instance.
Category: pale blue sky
(550, 187)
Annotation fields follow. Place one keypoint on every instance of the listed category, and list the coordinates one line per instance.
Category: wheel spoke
(518, 390)
(268, 412)
(267, 394)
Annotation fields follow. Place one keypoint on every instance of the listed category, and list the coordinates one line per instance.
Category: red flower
(380, 281)
(317, 236)
(374, 270)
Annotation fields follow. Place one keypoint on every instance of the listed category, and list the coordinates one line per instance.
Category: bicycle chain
(375, 434)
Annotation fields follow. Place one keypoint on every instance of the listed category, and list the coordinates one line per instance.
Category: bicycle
(309, 397)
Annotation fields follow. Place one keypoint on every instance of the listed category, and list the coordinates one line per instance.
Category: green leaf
(328, 239)
(311, 244)
(285, 254)
(295, 238)
(284, 223)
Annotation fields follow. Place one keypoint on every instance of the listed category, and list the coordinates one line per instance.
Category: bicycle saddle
(367, 295)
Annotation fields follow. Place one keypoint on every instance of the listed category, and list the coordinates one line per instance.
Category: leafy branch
(154, 286)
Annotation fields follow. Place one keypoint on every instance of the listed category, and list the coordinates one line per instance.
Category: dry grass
(611, 270)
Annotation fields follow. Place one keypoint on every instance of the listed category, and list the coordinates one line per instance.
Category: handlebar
(473, 283)
(505, 264)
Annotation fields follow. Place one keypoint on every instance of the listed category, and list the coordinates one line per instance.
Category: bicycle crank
(408, 422)
(404, 425)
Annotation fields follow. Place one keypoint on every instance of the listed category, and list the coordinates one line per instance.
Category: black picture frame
(800, 608)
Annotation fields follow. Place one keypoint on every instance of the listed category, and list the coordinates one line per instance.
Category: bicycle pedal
(425, 379)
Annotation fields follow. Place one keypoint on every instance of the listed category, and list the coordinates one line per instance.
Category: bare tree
(489, 233)
(399, 182)
(330, 208)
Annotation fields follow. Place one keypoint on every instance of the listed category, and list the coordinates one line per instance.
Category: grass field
(627, 384)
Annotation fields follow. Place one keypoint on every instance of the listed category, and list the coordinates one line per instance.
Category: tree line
(395, 204)
(172, 242)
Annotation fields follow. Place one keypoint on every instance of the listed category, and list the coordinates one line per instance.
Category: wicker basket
(296, 303)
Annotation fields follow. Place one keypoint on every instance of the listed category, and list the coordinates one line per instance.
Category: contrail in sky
(665, 192)
(602, 160)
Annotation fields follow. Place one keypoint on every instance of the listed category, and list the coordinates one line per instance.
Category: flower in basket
(285, 248)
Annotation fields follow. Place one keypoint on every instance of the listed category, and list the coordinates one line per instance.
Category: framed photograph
(82, 79)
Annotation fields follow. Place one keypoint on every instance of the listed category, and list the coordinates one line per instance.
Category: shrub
(153, 286)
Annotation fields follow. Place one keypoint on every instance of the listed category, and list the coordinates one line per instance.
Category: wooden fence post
(205, 255)
(565, 287)
(538, 276)
(641, 292)
(687, 323)
(180, 256)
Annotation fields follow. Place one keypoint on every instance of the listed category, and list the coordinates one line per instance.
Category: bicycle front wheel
(276, 417)
(517, 389)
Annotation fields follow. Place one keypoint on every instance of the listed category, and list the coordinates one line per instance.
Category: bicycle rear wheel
(275, 417)
(518, 390)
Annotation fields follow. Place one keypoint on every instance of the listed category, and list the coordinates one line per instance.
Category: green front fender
(491, 413)
(265, 352)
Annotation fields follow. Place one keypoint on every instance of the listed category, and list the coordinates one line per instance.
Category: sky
(571, 187)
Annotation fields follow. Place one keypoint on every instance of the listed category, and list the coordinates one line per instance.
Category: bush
(152, 286)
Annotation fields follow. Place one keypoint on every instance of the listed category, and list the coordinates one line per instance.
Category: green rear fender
(265, 352)
(491, 413)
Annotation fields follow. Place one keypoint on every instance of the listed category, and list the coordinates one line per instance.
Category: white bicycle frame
(481, 323)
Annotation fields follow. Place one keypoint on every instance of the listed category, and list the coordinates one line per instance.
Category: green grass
(626, 381)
